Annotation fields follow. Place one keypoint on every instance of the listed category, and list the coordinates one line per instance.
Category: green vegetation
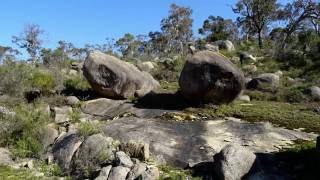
(43, 81)
(87, 129)
(171, 173)
(23, 131)
(292, 116)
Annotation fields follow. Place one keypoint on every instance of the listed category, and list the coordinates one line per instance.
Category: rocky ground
(111, 136)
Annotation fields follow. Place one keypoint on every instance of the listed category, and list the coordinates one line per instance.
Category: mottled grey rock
(315, 92)
(245, 57)
(104, 173)
(118, 173)
(210, 77)
(122, 159)
(227, 45)
(152, 173)
(107, 109)
(147, 66)
(233, 162)
(94, 151)
(114, 78)
(180, 144)
(62, 114)
(72, 100)
(64, 149)
(48, 136)
(137, 170)
(264, 82)
(244, 98)
(212, 48)
(5, 157)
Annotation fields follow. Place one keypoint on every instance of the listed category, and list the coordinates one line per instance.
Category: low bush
(87, 129)
(42, 81)
(23, 131)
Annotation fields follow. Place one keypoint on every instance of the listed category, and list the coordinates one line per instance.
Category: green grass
(87, 129)
(291, 116)
(171, 173)
(16, 174)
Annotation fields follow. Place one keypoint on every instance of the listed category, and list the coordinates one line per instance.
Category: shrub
(43, 81)
(14, 78)
(76, 83)
(23, 131)
(87, 129)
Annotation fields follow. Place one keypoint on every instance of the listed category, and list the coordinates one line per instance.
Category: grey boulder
(122, 159)
(118, 173)
(113, 78)
(227, 45)
(264, 82)
(233, 162)
(64, 149)
(210, 77)
(95, 151)
(5, 157)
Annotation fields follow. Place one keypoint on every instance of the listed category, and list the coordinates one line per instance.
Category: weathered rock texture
(210, 77)
(116, 79)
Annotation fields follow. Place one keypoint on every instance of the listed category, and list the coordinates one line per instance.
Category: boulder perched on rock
(116, 79)
(94, 151)
(264, 82)
(227, 45)
(233, 162)
(210, 77)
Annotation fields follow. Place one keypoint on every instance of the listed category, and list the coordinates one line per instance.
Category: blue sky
(91, 21)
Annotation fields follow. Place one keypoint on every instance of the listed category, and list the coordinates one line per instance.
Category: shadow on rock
(168, 101)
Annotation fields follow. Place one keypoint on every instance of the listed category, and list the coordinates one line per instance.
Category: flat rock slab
(180, 144)
(104, 108)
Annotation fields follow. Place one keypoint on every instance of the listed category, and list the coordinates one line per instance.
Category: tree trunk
(260, 40)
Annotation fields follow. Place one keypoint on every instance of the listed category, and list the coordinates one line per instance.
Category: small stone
(122, 159)
(72, 100)
(105, 171)
(136, 171)
(152, 173)
(118, 173)
(244, 98)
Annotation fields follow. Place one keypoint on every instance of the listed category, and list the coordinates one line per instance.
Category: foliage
(177, 29)
(218, 28)
(23, 131)
(76, 83)
(256, 15)
(171, 173)
(42, 80)
(87, 129)
(14, 78)
(30, 40)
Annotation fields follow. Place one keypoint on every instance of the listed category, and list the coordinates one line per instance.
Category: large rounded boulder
(210, 77)
(113, 78)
